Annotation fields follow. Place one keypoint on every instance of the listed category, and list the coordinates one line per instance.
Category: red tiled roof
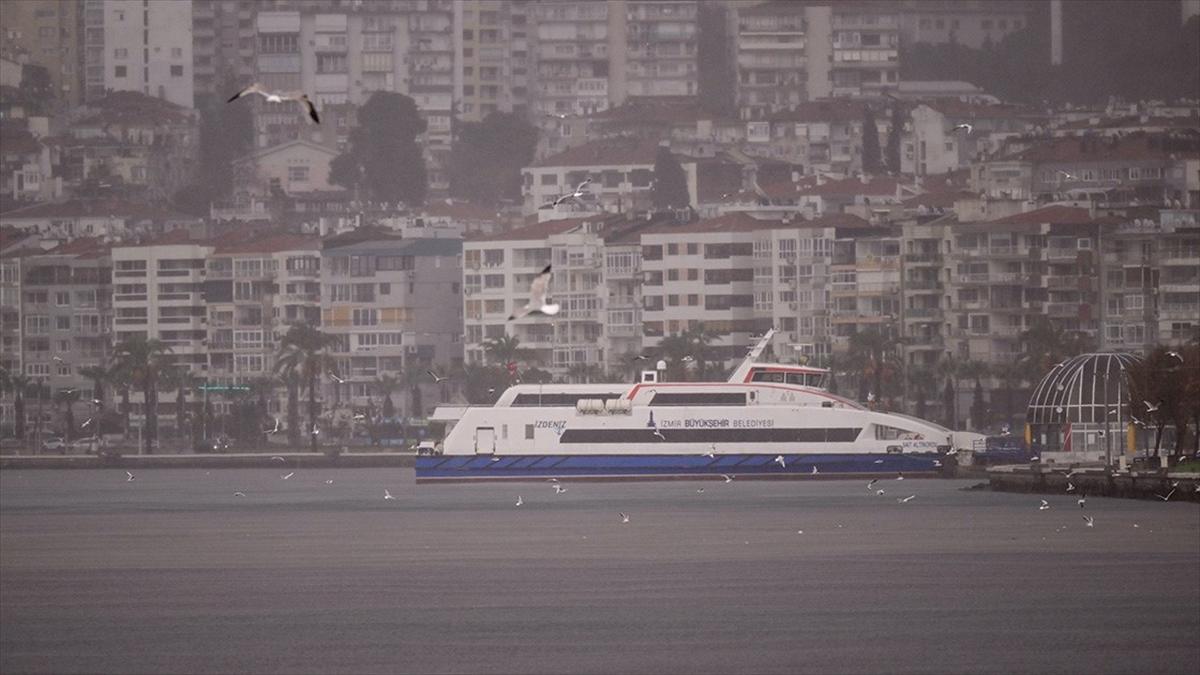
(269, 243)
(646, 110)
(536, 231)
(824, 110)
(18, 141)
(83, 247)
(943, 200)
(736, 221)
(773, 8)
(1048, 215)
(174, 237)
(84, 208)
(1096, 149)
(958, 109)
(606, 152)
(849, 187)
(131, 108)
(1134, 121)
(460, 211)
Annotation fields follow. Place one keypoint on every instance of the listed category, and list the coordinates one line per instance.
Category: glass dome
(1086, 389)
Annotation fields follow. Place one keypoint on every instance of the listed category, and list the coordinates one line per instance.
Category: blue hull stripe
(602, 466)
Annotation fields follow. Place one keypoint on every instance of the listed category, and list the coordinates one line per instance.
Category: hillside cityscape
(936, 201)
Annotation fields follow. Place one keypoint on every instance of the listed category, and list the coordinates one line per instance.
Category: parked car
(87, 445)
(215, 444)
(428, 448)
(54, 444)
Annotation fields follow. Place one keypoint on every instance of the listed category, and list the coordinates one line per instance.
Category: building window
(119, 71)
(297, 174)
(120, 53)
(176, 71)
(176, 52)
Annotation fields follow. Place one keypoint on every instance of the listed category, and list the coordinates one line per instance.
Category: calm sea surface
(173, 573)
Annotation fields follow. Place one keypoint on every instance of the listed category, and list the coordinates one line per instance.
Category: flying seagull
(387, 494)
(128, 477)
(700, 491)
(907, 499)
(899, 476)
(559, 489)
(687, 359)
(1068, 176)
(336, 378)
(273, 430)
(1091, 522)
(537, 298)
(964, 127)
(437, 379)
(1164, 498)
(277, 457)
(1082, 501)
(1070, 486)
(779, 461)
(729, 479)
(288, 475)
(239, 494)
(85, 423)
(575, 194)
(1045, 505)
(815, 471)
(519, 500)
(879, 492)
(1151, 407)
(1175, 355)
(712, 451)
(624, 517)
(872, 483)
(329, 482)
(279, 97)
(659, 435)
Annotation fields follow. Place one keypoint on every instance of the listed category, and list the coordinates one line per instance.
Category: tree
(975, 370)
(895, 134)
(872, 162)
(67, 399)
(484, 384)
(384, 386)
(867, 353)
(226, 133)
(305, 350)
(1044, 345)
(98, 375)
(505, 349)
(1164, 390)
(487, 158)
(670, 188)
(143, 360)
(20, 384)
(923, 384)
(384, 149)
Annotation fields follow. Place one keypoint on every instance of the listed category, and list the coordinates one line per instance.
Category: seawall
(1097, 482)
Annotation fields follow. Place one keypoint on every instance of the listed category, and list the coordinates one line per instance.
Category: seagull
(287, 475)
(1070, 486)
(1091, 521)
(437, 379)
(329, 482)
(277, 457)
(359, 417)
(519, 500)
(537, 298)
(336, 378)
(659, 435)
(576, 194)
(559, 116)
(687, 359)
(279, 97)
(879, 461)
(315, 430)
(872, 483)
(1066, 175)
(1166, 498)
(815, 471)
(97, 401)
(624, 517)
(1151, 407)
(239, 494)
(559, 489)
(899, 476)
(85, 423)
(387, 494)
(779, 461)
(879, 493)
(1045, 505)
(274, 429)
(1175, 355)
(907, 499)
(699, 490)
(964, 127)
(729, 479)
(128, 477)
(1082, 501)
(712, 453)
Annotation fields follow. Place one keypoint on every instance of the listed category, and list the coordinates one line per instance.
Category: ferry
(768, 420)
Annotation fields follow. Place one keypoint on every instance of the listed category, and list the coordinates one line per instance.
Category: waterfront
(174, 573)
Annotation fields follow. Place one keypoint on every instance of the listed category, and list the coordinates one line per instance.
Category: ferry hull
(471, 468)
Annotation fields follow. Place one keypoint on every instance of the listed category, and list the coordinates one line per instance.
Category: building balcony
(918, 313)
(1062, 309)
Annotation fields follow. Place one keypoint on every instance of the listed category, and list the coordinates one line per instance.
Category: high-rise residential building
(772, 73)
(970, 23)
(852, 49)
(394, 305)
(492, 57)
(139, 45)
(223, 46)
(48, 33)
(653, 49)
(571, 56)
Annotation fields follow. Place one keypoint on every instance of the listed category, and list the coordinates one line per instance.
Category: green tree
(872, 161)
(305, 350)
(67, 398)
(99, 376)
(487, 158)
(922, 384)
(670, 188)
(506, 349)
(895, 134)
(1164, 390)
(384, 146)
(20, 384)
(143, 360)
(867, 352)
(345, 170)
(1044, 345)
(384, 386)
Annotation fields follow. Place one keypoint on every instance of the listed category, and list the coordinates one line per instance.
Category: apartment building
(394, 304)
(571, 56)
(656, 55)
(223, 44)
(970, 23)
(493, 57)
(108, 218)
(254, 289)
(47, 32)
(139, 45)
(852, 49)
(940, 146)
(621, 170)
(772, 63)
(1136, 168)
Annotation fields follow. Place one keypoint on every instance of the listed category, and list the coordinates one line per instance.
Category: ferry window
(796, 378)
(528, 432)
(504, 431)
(886, 433)
(767, 377)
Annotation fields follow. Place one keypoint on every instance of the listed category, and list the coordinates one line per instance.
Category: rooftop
(536, 231)
(95, 208)
(606, 152)
(131, 108)
(1135, 146)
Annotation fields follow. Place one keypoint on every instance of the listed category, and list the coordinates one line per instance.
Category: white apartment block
(772, 64)
(571, 56)
(658, 57)
(223, 41)
(493, 57)
(139, 45)
(970, 23)
(393, 304)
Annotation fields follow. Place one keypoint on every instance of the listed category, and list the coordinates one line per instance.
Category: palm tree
(291, 381)
(182, 381)
(306, 350)
(923, 382)
(120, 379)
(1044, 345)
(1010, 379)
(98, 374)
(144, 359)
(585, 373)
(262, 388)
(412, 377)
(20, 384)
(384, 385)
(867, 349)
(677, 350)
(700, 337)
(976, 370)
(506, 349)
(67, 399)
